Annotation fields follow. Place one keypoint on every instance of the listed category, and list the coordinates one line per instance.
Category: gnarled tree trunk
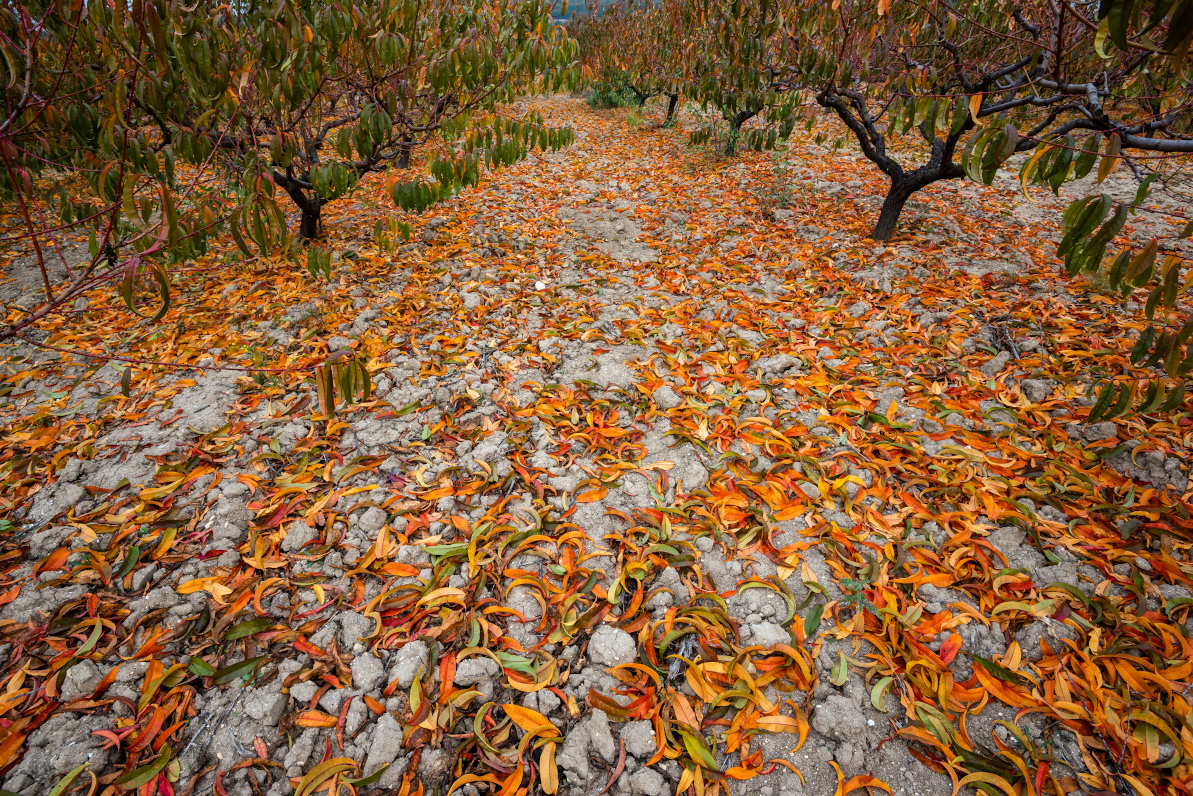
(852, 110)
(672, 101)
(311, 206)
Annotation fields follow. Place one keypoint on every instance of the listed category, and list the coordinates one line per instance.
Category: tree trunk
(310, 206)
(308, 229)
(740, 118)
(672, 99)
(892, 207)
(404, 154)
(734, 134)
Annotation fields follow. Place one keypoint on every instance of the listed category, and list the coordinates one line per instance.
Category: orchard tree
(979, 82)
(1069, 88)
(187, 121)
(742, 68)
(641, 46)
(317, 96)
(1025, 76)
(76, 162)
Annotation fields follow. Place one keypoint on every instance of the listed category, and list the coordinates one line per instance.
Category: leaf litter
(664, 483)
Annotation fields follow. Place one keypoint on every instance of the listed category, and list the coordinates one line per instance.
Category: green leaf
(1103, 402)
(64, 784)
(812, 620)
(369, 780)
(248, 628)
(201, 667)
(999, 671)
(130, 561)
(244, 669)
(144, 774)
(840, 672)
(878, 693)
(697, 749)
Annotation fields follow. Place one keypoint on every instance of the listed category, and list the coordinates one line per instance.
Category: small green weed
(855, 595)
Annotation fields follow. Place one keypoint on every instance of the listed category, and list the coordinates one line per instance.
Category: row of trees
(950, 89)
(152, 125)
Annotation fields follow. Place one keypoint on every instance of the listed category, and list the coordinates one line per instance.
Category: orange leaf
(529, 720)
(315, 718)
(950, 648)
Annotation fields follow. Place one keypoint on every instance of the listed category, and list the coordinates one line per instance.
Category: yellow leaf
(547, 770)
(211, 585)
(778, 724)
(987, 778)
(446, 594)
(322, 773)
(975, 106)
(737, 772)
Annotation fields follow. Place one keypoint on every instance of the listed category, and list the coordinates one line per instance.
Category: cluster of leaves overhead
(943, 91)
(491, 143)
(186, 121)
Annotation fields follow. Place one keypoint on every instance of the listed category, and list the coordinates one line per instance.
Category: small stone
(995, 365)
(1035, 390)
(768, 634)
(639, 739)
(338, 343)
(367, 672)
(299, 535)
(81, 680)
(354, 627)
(387, 742)
(666, 398)
(266, 705)
(358, 714)
(858, 309)
(839, 718)
(411, 658)
(611, 646)
(303, 693)
(600, 736)
(474, 671)
(811, 490)
(434, 764)
(649, 782)
(333, 699)
(1097, 432)
(1032, 637)
(372, 520)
